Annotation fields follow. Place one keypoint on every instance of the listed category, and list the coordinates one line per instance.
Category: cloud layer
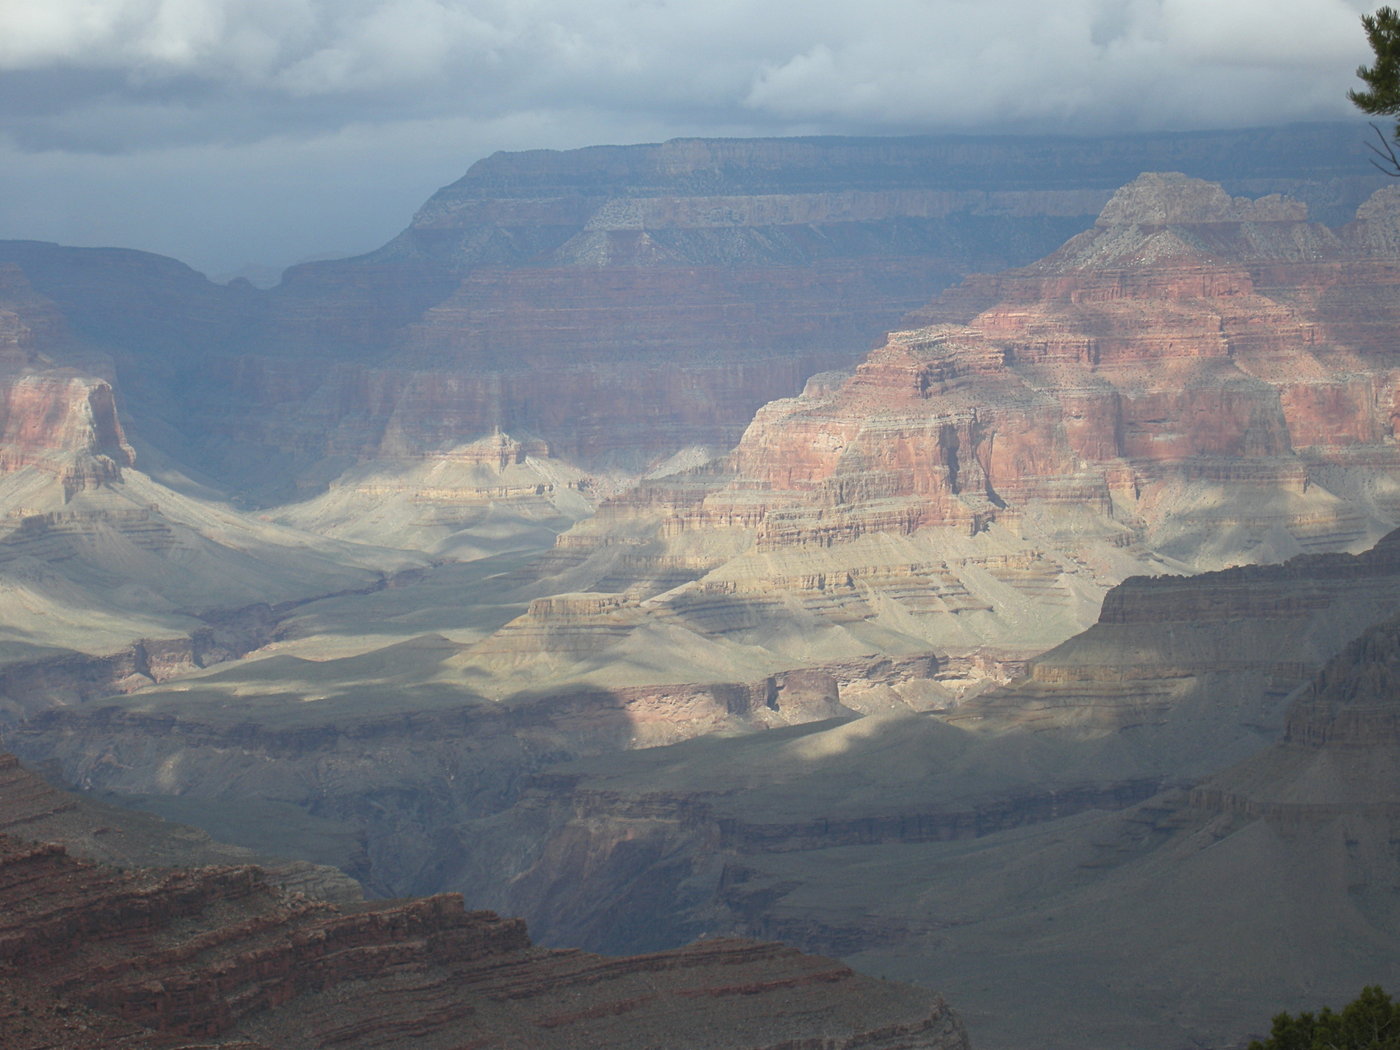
(123, 74)
(237, 78)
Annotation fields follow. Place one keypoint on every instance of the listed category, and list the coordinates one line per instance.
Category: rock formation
(145, 958)
(1185, 386)
(1026, 854)
(894, 541)
(667, 291)
(1197, 381)
(111, 579)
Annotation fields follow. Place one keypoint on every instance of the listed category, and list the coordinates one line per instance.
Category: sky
(234, 132)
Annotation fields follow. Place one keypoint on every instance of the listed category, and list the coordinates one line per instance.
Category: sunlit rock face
(109, 579)
(1196, 381)
(664, 291)
(53, 418)
(1190, 356)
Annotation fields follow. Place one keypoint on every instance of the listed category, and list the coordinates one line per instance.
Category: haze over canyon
(969, 559)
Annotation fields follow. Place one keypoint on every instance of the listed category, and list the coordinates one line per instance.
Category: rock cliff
(53, 418)
(893, 541)
(1024, 853)
(144, 958)
(1196, 381)
(668, 290)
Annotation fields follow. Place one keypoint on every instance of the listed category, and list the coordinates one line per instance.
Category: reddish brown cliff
(667, 290)
(57, 419)
(140, 958)
(1188, 343)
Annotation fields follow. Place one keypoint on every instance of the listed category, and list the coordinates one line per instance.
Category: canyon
(683, 541)
(135, 957)
(1176, 820)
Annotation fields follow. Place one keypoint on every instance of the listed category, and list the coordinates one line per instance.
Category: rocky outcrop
(668, 291)
(1033, 835)
(145, 958)
(1165, 645)
(52, 418)
(64, 423)
(1181, 676)
(1179, 344)
(1178, 388)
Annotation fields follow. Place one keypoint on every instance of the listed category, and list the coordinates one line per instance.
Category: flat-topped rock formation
(109, 578)
(1046, 834)
(894, 541)
(1144, 367)
(1271, 882)
(668, 291)
(1178, 388)
(1174, 650)
(56, 419)
(1200, 379)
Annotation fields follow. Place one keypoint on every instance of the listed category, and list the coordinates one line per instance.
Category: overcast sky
(226, 132)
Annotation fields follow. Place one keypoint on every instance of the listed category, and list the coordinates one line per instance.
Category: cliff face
(1196, 381)
(893, 541)
(1042, 832)
(56, 419)
(1180, 676)
(1188, 341)
(139, 958)
(110, 579)
(668, 291)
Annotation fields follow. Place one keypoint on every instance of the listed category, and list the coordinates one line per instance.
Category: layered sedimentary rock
(33, 809)
(1267, 886)
(1167, 645)
(668, 291)
(1185, 350)
(56, 419)
(1180, 676)
(484, 497)
(139, 958)
(111, 579)
(904, 537)
(1178, 388)
(954, 853)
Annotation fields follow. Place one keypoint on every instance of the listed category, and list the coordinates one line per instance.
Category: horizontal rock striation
(1173, 389)
(53, 418)
(1180, 676)
(146, 959)
(1166, 645)
(1185, 341)
(668, 289)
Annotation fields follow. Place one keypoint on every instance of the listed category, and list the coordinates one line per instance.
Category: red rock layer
(1188, 337)
(91, 955)
(53, 418)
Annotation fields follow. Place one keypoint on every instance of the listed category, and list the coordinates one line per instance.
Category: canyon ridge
(751, 538)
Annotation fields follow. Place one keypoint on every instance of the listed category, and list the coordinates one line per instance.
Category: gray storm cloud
(153, 69)
(223, 131)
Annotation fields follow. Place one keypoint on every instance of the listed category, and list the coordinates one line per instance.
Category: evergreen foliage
(1369, 1022)
(1382, 94)
(1382, 97)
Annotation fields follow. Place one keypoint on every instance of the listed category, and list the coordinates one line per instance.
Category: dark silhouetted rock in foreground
(235, 955)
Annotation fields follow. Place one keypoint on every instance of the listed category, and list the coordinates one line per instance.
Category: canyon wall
(1023, 846)
(667, 290)
(1177, 388)
(144, 958)
(1195, 381)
